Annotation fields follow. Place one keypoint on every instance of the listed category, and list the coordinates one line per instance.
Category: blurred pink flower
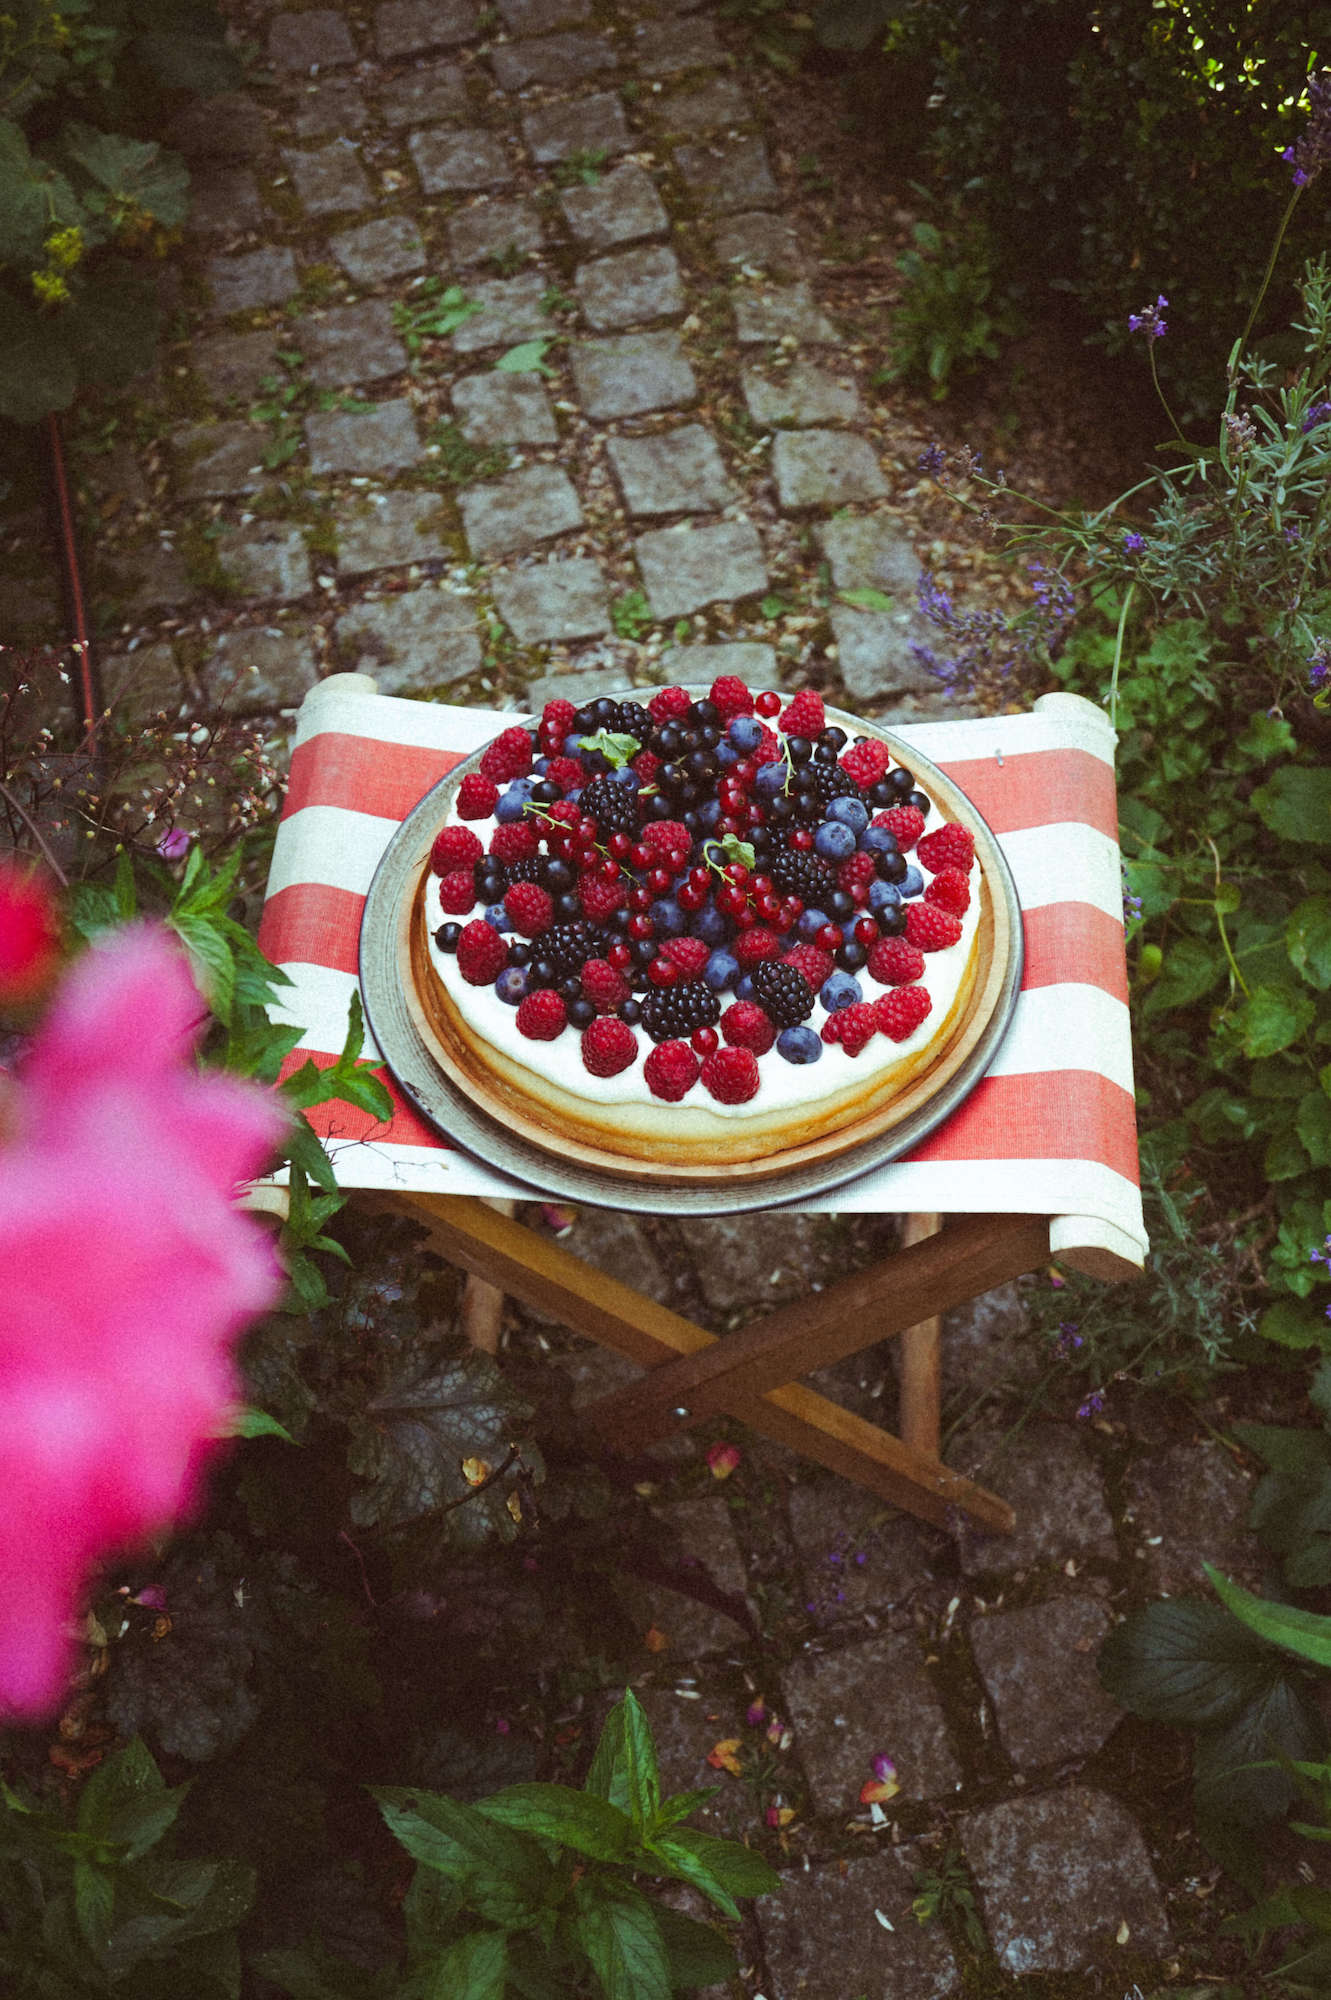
(175, 845)
(29, 933)
(128, 1276)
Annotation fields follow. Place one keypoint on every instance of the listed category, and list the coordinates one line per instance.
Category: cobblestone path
(337, 465)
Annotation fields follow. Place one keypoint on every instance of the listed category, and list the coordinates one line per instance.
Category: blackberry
(671, 1013)
(801, 874)
(783, 993)
(567, 947)
(831, 782)
(632, 719)
(614, 807)
(531, 870)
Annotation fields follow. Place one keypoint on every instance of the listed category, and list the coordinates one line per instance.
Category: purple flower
(1322, 1256)
(1292, 534)
(174, 846)
(1319, 672)
(932, 460)
(1148, 320)
(1093, 1405)
(1133, 543)
(1069, 1339)
(1312, 151)
(1317, 414)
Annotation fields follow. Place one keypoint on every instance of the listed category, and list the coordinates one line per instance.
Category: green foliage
(533, 1892)
(631, 614)
(434, 312)
(83, 204)
(101, 1903)
(950, 317)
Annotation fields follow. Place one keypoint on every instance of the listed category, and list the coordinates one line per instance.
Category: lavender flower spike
(1148, 320)
(1312, 151)
(1319, 669)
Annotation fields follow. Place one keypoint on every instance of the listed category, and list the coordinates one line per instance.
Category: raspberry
(530, 907)
(542, 1015)
(669, 705)
(949, 846)
(768, 750)
(866, 762)
(906, 822)
(454, 847)
(457, 892)
(671, 1070)
(751, 947)
(856, 1026)
(731, 1075)
(509, 756)
(556, 721)
(608, 1045)
(950, 890)
(900, 1013)
(817, 966)
(690, 954)
(477, 797)
(514, 842)
(855, 874)
(894, 962)
(600, 899)
(667, 836)
(930, 928)
(805, 716)
(567, 773)
(645, 767)
(745, 1026)
(482, 954)
(563, 812)
(603, 986)
(731, 697)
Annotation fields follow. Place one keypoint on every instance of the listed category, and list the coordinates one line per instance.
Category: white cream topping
(783, 1085)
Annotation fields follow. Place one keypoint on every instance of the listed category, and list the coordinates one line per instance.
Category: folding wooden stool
(1038, 1163)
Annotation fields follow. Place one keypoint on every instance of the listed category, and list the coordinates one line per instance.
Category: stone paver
(254, 278)
(390, 531)
(554, 600)
(848, 1707)
(552, 59)
(665, 48)
(267, 561)
(512, 409)
(422, 639)
(695, 1536)
(380, 440)
(406, 27)
(1038, 1666)
(506, 515)
(216, 459)
(537, 17)
(825, 469)
(756, 1257)
(699, 666)
(685, 1729)
(617, 209)
(702, 108)
(1190, 1504)
(825, 1937)
(376, 251)
(140, 684)
(592, 124)
(234, 364)
(330, 179)
(511, 309)
(329, 104)
(674, 472)
(875, 654)
(759, 242)
(154, 576)
(229, 126)
(254, 670)
(494, 229)
(628, 376)
(1058, 1875)
(727, 176)
(853, 1558)
(1054, 1484)
(319, 38)
(800, 394)
(785, 312)
(634, 286)
(868, 552)
(424, 95)
(448, 160)
(685, 568)
(227, 200)
(988, 1342)
(350, 344)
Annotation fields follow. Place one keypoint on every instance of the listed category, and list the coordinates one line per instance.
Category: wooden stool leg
(482, 1302)
(921, 1358)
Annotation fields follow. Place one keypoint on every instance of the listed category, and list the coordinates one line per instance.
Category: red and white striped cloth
(1050, 1129)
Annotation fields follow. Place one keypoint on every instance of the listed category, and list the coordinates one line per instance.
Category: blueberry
(540, 765)
(710, 925)
(669, 919)
(833, 841)
(744, 988)
(721, 970)
(498, 918)
(883, 896)
(878, 840)
(513, 985)
(625, 775)
(745, 733)
(849, 812)
(913, 884)
(726, 755)
(709, 814)
(809, 924)
(799, 1045)
(840, 990)
(513, 800)
(770, 780)
(447, 935)
(572, 745)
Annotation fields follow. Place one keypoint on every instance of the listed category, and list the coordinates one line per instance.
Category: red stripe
(1040, 788)
(1074, 943)
(337, 1120)
(364, 775)
(1054, 1115)
(309, 923)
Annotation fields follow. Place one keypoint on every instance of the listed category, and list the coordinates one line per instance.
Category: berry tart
(718, 933)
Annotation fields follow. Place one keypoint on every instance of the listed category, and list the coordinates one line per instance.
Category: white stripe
(1069, 862)
(425, 725)
(1067, 1027)
(1081, 726)
(331, 845)
(317, 1001)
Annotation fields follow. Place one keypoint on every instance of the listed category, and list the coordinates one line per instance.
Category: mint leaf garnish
(619, 750)
(739, 850)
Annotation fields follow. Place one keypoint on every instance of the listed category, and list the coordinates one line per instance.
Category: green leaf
(617, 1928)
(1265, 737)
(1308, 940)
(608, 1776)
(1271, 1018)
(1191, 968)
(244, 1422)
(868, 600)
(1313, 1124)
(211, 962)
(134, 170)
(699, 1955)
(38, 371)
(727, 1864)
(578, 1820)
(199, 62)
(1185, 1662)
(618, 749)
(474, 1968)
(430, 1907)
(640, 1766)
(528, 357)
(680, 1805)
(112, 325)
(35, 199)
(1295, 803)
(1281, 1722)
(1291, 1324)
(94, 1903)
(1306, 1633)
(504, 1874)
